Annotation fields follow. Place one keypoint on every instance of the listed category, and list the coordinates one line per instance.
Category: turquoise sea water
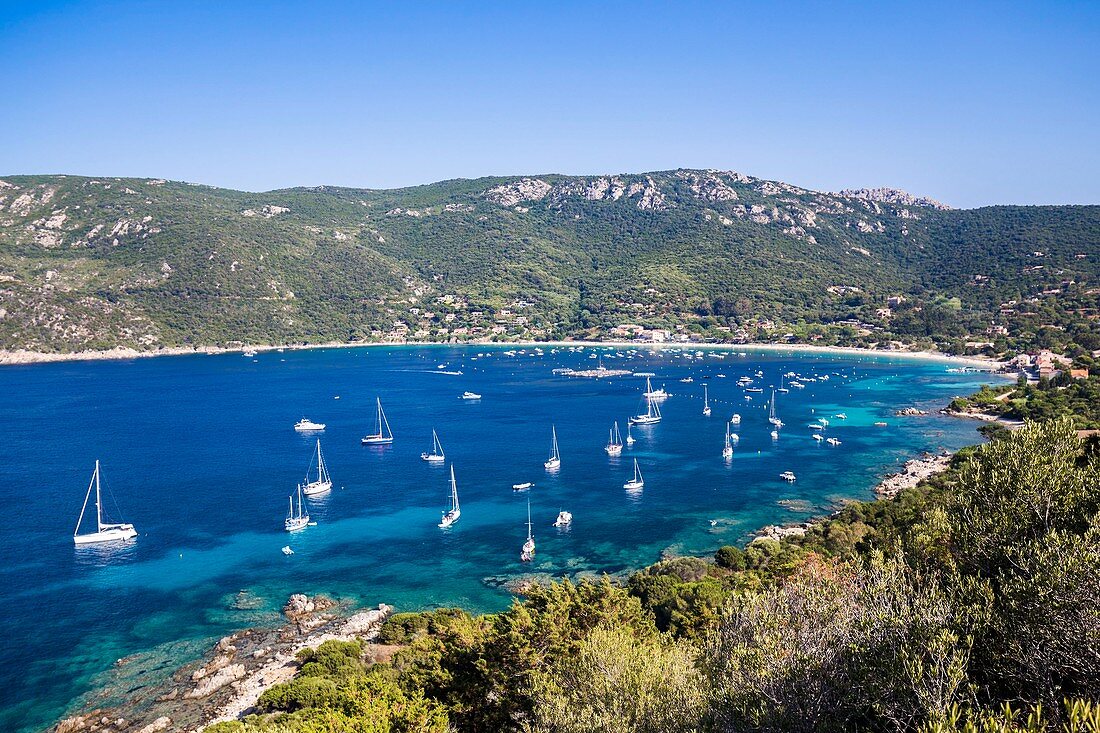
(199, 453)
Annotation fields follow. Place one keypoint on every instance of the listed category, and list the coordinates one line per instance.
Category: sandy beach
(11, 357)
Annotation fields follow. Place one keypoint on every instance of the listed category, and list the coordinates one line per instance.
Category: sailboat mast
(98, 510)
(529, 537)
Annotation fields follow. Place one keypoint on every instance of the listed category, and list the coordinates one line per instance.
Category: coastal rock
(914, 471)
(211, 684)
(777, 533)
(160, 723)
(905, 411)
(298, 605)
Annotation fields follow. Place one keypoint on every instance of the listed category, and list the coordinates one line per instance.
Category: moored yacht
(105, 531)
(384, 436)
(451, 516)
(437, 455)
(296, 520)
(305, 425)
(637, 482)
(554, 461)
(323, 482)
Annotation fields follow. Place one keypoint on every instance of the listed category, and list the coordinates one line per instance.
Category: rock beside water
(228, 682)
(914, 471)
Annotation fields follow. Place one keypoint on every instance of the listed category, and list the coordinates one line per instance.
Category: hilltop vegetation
(97, 263)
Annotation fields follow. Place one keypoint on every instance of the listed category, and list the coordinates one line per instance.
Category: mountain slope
(94, 263)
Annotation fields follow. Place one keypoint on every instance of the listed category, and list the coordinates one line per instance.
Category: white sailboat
(437, 455)
(554, 461)
(323, 482)
(527, 554)
(727, 450)
(652, 411)
(614, 441)
(105, 532)
(706, 401)
(635, 483)
(771, 413)
(451, 516)
(296, 520)
(384, 436)
(629, 437)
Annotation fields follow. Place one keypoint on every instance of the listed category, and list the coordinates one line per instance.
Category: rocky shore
(228, 681)
(913, 472)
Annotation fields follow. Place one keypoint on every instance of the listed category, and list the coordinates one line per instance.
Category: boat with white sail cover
(436, 455)
(451, 516)
(554, 461)
(323, 482)
(105, 531)
(384, 436)
(637, 482)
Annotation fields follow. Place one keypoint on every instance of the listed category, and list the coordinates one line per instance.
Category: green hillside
(95, 263)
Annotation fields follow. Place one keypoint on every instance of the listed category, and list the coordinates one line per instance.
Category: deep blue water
(198, 452)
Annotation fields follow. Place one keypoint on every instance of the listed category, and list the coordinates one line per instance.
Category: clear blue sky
(971, 103)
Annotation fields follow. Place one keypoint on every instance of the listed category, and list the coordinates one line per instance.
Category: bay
(199, 453)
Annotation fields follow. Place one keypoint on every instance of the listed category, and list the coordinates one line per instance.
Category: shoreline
(24, 357)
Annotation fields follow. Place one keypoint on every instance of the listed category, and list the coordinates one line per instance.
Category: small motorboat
(787, 476)
(287, 550)
(564, 519)
(522, 487)
(471, 396)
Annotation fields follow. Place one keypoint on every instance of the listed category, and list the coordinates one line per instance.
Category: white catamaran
(323, 482)
(384, 436)
(451, 516)
(527, 554)
(554, 461)
(652, 410)
(706, 402)
(105, 532)
(437, 455)
(614, 441)
(635, 483)
(296, 520)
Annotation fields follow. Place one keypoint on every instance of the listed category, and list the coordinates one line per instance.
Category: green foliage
(335, 691)
(617, 683)
(144, 263)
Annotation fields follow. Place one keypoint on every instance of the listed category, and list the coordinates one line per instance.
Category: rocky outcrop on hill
(893, 196)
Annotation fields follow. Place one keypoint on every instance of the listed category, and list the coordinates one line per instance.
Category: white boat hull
(449, 518)
(614, 450)
(644, 420)
(376, 440)
(433, 458)
(112, 534)
(317, 487)
(633, 485)
(293, 525)
(552, 464)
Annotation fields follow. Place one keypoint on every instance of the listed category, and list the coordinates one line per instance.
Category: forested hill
(91, 263)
